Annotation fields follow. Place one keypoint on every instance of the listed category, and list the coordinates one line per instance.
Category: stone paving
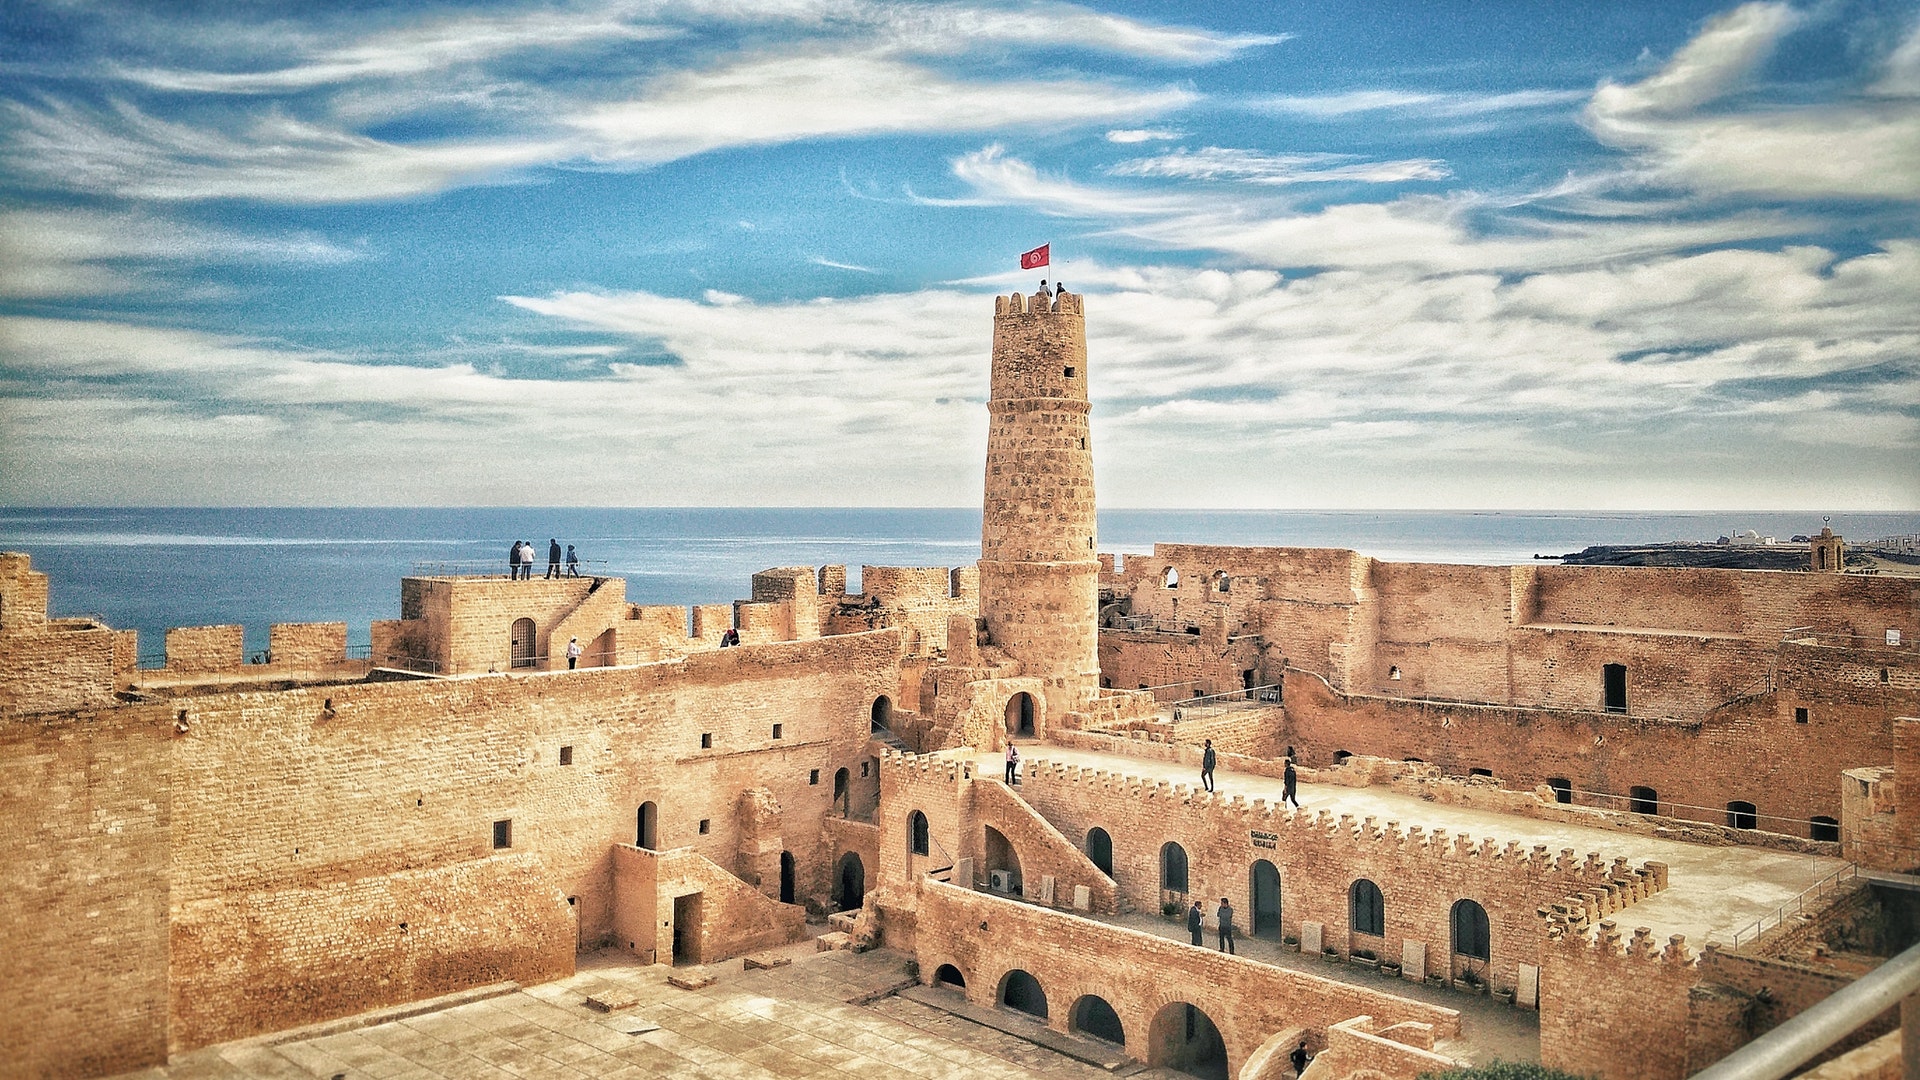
(1712, 891)
(795, 1022)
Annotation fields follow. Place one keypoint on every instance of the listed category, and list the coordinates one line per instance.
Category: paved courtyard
(788, 1023)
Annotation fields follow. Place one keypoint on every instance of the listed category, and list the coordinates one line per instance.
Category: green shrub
(1504, 1070)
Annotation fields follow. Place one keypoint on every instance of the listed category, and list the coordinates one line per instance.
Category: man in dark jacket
(1193, 921)
(553, 558)
(1207, 762)
(1287, 782)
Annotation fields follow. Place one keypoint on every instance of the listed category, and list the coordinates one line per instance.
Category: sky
(743, 252)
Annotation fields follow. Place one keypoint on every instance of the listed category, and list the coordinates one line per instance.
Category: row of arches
(1180, 1035)
(1366, 905)
(1218, 582)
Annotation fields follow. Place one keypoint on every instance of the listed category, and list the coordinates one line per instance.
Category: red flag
(1035, 258)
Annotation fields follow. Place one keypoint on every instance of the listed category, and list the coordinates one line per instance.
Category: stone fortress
(1638, 815)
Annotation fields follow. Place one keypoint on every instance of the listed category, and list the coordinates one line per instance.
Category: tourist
(1288, 780)
(573, 653)
(1194, 925)
(729, 639)
(553, 559)
(1013, 763)
(1207, 761)
(526, 560)
(573, 562)
(1225, 915)
(1300, 1058)
(1059, 289)
(1044, 291)
(513, 562)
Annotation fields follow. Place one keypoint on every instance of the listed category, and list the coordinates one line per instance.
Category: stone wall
(731, 916)
(194, 650)
(1619, 1012)
(62, 664)
(307, 644)
(986, 937)
(84, 892)
(1420, 875)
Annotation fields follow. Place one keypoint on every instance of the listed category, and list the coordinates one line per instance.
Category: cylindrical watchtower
(1039, 571)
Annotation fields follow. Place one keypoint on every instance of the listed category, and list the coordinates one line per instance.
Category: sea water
(149, 569)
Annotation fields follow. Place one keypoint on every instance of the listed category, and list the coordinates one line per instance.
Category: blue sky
(720, 252)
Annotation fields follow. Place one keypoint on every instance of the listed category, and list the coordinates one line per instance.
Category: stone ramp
(1085, 1051)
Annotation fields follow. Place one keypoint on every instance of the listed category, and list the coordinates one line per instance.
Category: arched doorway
(842, 793)
(1472, 937)
(1185, 1039)
(1020, 715)
(1021, 992)
(882, 712)
(786, 877)
(1173, 867)
(918, 836)
(1093, 1016)
(849, 883)
(1100, 850)
(1266, 900)
(948, 975)
(1002, 862)
(646, 831)
(520, 644)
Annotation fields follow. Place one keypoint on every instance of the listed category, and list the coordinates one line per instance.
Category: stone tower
(1039, 571)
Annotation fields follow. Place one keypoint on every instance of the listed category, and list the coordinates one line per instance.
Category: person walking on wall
(1299, 1058)
(1288, 781)
(1207, 761)
(1225, 915)
(573, 562)
(573, 653)
(1193, 922)
(1013, 764)
(553, 558)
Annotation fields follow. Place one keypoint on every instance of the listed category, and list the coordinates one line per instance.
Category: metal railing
(1252, 697)
(490, 568)
(1803, 1037)
(1798, 905)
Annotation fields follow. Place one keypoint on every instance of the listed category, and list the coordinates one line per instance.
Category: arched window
(1021, 991)
(1643, 800)
(1742, 815)
(1221, 582)
(1471, 935)
(647, 826)
(1366, 909)
(1825, 828)
(1173, 867)
(882, 712)
(1171, 578)
(1093, 1016)
(1100, 850)
(949, 975)
(917, 833)
(1562, 789)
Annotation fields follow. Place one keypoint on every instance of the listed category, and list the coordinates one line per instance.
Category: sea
(149, 569)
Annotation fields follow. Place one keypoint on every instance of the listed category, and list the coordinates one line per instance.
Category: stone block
(765, 962)
(1310, 937)
(1527, 993)
(1413, 960)
(613, 999)
(693, 978)
(1045, 893)
(832, 942)
(1082, 898)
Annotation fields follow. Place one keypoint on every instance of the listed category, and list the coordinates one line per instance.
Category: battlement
(1608, 885)
(923, 768)
(1062, 303)
(1606, 943)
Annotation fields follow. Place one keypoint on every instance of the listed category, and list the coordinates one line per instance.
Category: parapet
(1063, 303)
(1605, 886)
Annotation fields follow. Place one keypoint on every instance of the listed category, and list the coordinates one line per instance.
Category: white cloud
(1139, 135)
(75, 252)
(1413, 102)
(1863, 149)
(1252, 166)
(782, 98)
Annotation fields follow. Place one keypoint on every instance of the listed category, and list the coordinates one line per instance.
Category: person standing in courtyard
(1288, 781)
(1207, 761)
(1299, 1058)
(1225, 915)
(1194, 925)
(553, 558)
(573, 562)
(573, 653)
(1013, 764)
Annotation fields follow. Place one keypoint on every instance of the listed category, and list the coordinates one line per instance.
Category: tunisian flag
(1035, 258)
